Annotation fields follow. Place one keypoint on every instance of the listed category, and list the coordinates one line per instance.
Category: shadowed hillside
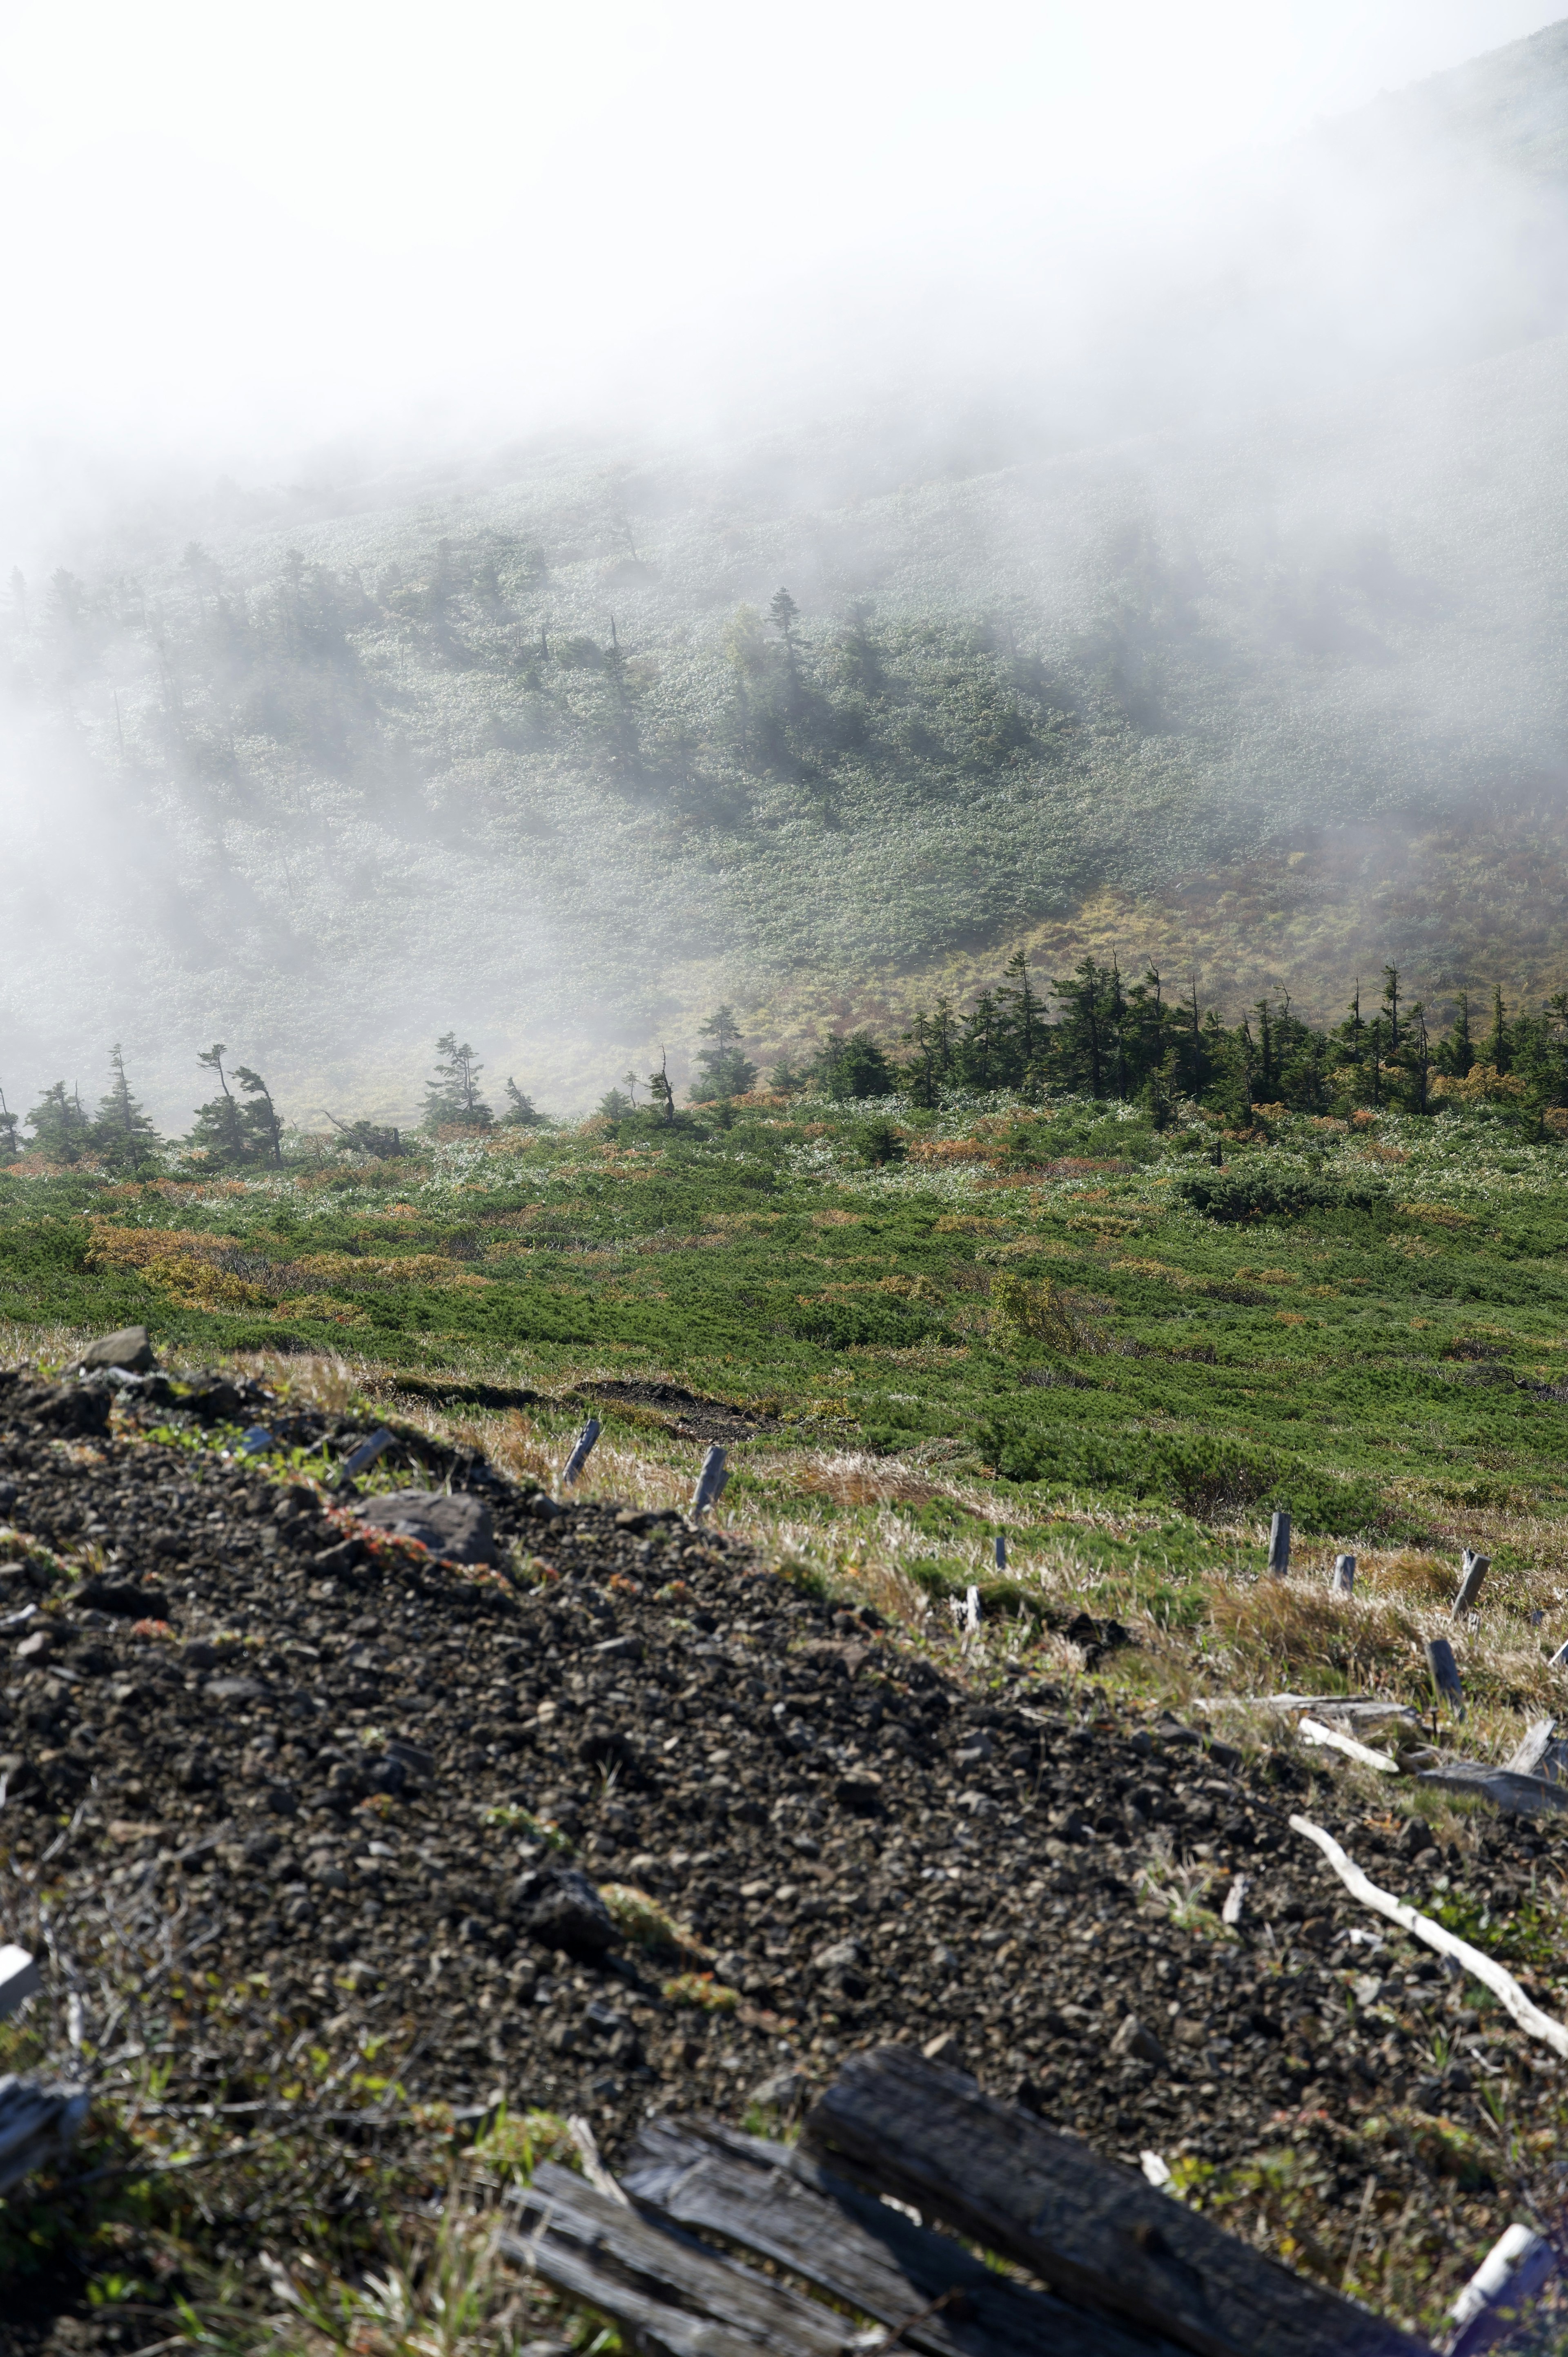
(1279, 701)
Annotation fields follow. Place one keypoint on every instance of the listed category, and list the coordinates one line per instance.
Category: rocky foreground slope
(623, 1819)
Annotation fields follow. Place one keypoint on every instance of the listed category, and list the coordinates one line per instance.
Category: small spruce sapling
(521, 1113)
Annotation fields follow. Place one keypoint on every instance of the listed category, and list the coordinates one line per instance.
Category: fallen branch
(1480, 1967)
(1314, 1733)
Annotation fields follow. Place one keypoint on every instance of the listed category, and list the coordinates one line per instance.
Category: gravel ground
(246, 1733)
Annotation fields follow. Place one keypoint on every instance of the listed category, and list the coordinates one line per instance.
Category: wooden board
(1091, 2229)
(786, 2207)
(1527, 1796)
(674, 2297)
(37, 2125)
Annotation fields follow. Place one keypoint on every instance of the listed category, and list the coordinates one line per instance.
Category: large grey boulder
(131, 1348)
(457, 1528)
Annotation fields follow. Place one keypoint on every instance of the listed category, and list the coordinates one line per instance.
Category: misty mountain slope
(1281, 696)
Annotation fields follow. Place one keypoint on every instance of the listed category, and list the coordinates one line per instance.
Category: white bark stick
(1484, 1969)
(1314, 1733)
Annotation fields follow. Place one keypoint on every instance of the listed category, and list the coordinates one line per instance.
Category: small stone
(732, 1967)
(859, 1792)
(1417, 1836)
(783, 2091)
(974, 1749)
(1133, 2040)
(944, 2049)
(457, 1529)
(41, 1642)
(842, 1954)
(131, 1349)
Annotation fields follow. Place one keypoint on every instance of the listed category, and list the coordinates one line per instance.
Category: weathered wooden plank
(785, 2206)
(19, 1978)
(676, 2298)
(37, 2124)
(1518, 1796)
(1091, 2228)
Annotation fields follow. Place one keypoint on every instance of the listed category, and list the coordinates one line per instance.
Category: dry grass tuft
(1279, 1631)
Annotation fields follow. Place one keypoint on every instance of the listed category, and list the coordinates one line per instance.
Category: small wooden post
(1344, 1580)
(710, 1483)
(1279, 1545)
(582, 1449)
(18, 1978)
(1445, 1673)
(1514, 2272)
(1472, 1572)
(1000, 1550)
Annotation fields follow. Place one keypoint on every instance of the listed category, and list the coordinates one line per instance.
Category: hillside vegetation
(1053, 1321)
(596, 738)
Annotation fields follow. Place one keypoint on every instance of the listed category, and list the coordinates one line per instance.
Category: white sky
(229, 226)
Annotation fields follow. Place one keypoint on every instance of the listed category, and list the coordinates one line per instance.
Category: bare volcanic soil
(251, 1742)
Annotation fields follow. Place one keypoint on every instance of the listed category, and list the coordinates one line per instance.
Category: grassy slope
(1386, 1367)
(1385, 1362)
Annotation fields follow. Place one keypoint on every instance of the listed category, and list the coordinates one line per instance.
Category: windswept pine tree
(231, 1132)
(452, 1100)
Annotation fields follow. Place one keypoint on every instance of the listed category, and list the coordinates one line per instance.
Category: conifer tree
(122, 1131)
(61, 1132)
(452, 1100)
(259, 1122)
(725, 1072)
(521, 1113)
(219, 1129)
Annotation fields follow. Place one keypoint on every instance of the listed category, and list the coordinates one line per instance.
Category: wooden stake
(582, 1449)
(1279, 1545)
(1344, 1580)
(1445, 1673)
(1472, 1572)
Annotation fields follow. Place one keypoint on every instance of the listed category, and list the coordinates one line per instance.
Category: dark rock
(345, 1556)
(68, 1407)
(123, 1601)
(216, 1402)
(860, 1792)
(131, 1349)
(459, 1529)
(560, 1908)
(1417, 1836)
